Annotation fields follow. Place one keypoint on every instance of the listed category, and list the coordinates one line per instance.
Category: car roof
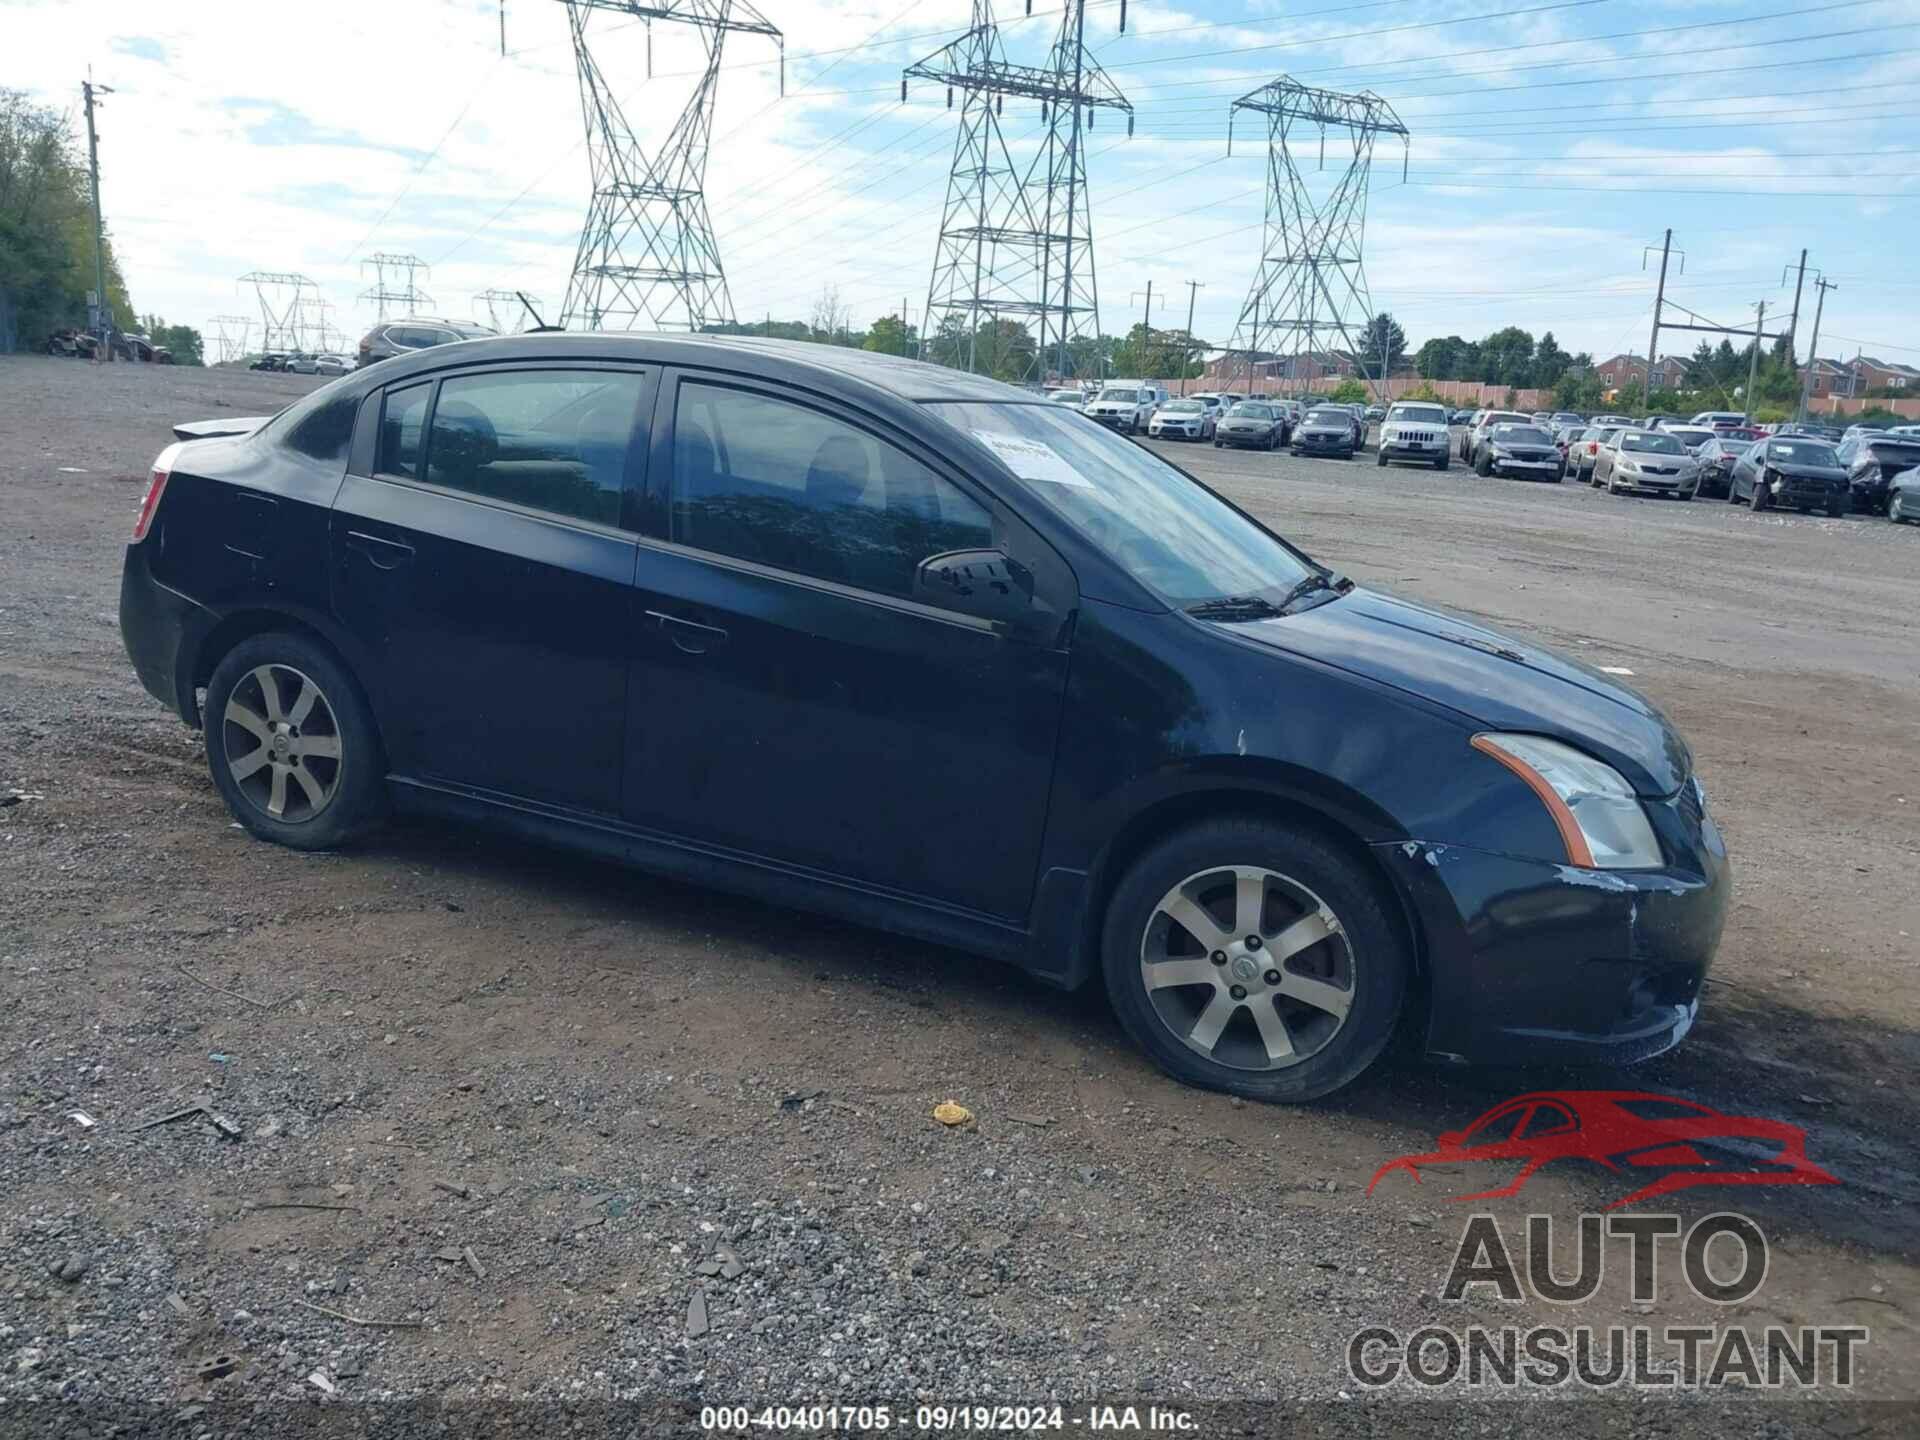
(790, 359)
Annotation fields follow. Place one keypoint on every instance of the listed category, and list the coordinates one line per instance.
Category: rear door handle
(382, 554)
(689, 636)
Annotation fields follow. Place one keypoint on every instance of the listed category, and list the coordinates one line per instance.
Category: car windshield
(1521, 435)
(1654, 444)
(1182, 407)
(1172, 534)
(1125, 396)
(1802, 452)
(1566, 417)
(1248, 410)
(1689, 435)
(1418, 415)
(1329, 417)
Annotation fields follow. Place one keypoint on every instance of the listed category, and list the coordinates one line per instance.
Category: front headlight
(1598, 815)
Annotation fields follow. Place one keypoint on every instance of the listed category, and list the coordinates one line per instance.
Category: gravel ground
(532, 1106)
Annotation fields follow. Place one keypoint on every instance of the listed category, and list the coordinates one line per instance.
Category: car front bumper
(1814, 493)
(1413, 449)
(1243, 437)
(1530, 962)
(1122, 421)
(1655, 484)
(1174, 432)
(1329, 444)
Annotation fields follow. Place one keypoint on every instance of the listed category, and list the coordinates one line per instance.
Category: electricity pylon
(648, 258)
(230, 336)
(283, 299)
(504, 311)
(1016, 240)
(1310, 287)
(394, 285)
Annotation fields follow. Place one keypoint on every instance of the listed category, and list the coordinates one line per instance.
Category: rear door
(482, 552)
(791, 700)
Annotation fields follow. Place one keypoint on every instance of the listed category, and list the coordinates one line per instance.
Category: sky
(1552, 142)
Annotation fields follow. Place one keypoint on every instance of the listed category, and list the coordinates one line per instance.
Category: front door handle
(381, 554)
(689, 636)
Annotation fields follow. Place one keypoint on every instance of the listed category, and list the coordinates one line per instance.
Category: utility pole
(1146, 340)
(1194, 287)
(1659, 302)
(1813, 351)
(1793, 324)
(1753, 362)
(104, 314)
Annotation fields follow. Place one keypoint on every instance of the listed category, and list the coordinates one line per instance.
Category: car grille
(1415, 437)
(1533, 455)
(1659, 470)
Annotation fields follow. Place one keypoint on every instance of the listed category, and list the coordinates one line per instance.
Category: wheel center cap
(1245, 969)
(280, 744)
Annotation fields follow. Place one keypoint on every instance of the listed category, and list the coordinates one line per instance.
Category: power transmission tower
(230, 335)
(394, 284)
(1310, 286)
(1194, 287)
(283, 324)
(504, 311)
(648, 258)
(1014, 240)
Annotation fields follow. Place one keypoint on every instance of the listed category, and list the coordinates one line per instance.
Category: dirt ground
(602, 1087)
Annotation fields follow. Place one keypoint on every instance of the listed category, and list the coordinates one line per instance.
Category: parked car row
(125, 345)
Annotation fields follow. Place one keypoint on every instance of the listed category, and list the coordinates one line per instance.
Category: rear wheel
(292, 745)
(1255, 957)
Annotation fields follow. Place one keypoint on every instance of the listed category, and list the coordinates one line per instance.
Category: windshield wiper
(1230, 608)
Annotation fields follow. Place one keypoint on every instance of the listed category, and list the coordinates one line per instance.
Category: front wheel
(1442, 460)
(1759, 497)
(292, 745)
(1256, 957)
(1484, 466)
(1380, 459)
(1838, 509)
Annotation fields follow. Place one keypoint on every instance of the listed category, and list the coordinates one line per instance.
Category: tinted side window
(776, 483)
(554, 440)
(400, 430)
(324, 431)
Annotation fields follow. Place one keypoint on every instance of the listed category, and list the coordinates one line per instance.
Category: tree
(1383, 345)
(1506, 358)
(830, 316)
(1349, 392)
(1440, 359)
(1578, 390)
(1004, 349)
(1549, 362)
(890, 335)
(46, 226)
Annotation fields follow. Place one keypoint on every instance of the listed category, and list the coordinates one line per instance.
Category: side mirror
(983, 583)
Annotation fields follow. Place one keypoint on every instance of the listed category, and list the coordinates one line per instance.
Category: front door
(791, 701)
(481, 558)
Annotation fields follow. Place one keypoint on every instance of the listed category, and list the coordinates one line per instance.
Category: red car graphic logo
(1627, 1132)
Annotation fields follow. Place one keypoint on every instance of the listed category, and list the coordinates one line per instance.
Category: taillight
(156, 486)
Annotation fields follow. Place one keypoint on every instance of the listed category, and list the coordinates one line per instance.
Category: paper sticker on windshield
(1031, 459)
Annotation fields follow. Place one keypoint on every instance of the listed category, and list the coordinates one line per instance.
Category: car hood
(1493, 679)
(1323, 427)
(1806, 472)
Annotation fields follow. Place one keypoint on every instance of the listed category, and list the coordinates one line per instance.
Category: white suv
(1126, 404)
(1414, 431)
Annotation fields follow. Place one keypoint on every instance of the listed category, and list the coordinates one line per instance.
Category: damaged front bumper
(1530, 962)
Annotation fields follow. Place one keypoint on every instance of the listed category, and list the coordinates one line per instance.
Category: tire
(1838, 510)
(1483, 467)
(1362, 961)
(1216, 444)
(1896, 512)
(1560, 475)
(1732, 497)
(343, 793)
(1442, 460)
(1380, 459)
(1758, 500)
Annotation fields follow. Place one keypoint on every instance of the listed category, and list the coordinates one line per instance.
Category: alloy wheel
(1247, 968)
(281, 743)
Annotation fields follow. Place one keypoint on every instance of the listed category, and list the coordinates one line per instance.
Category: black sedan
(1797, 472)
(1252, 425)
(877, 638)
(1523, 452)
(1326, 430)
(1716, 458)
(1873, 463)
